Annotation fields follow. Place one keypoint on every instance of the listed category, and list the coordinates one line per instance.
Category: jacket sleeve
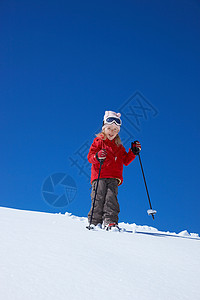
(128, 157)
(95, 147)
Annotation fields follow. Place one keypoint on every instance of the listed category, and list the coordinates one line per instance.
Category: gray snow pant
(106, 207)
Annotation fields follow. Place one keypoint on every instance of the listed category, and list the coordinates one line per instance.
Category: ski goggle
(111, 120)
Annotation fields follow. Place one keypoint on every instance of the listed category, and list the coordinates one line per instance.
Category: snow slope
(53, 256)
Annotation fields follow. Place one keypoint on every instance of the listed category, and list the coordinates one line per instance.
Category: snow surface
(53, 256)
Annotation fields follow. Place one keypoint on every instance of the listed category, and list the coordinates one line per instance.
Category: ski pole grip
(101, 160)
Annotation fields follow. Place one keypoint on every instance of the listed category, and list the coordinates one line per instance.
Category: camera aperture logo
(59, 189)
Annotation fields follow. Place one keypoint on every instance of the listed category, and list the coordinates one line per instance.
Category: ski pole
(101, 163)
(150, 211)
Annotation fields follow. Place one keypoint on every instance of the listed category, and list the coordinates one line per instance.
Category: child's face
(111, 131)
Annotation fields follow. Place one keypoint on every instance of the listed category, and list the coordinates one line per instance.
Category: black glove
(136, 147)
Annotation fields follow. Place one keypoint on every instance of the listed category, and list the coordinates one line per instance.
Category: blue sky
(63, 64)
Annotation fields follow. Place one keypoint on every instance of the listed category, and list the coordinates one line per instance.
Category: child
(107, 146)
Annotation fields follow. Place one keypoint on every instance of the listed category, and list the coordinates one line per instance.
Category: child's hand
(136, 147)
(101, 154)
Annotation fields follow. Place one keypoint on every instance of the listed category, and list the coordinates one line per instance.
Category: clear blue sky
(63, 63)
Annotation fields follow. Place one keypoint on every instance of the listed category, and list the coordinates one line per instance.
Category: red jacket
(115, 159)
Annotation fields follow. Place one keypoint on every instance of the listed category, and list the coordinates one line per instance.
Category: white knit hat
(112, 117)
